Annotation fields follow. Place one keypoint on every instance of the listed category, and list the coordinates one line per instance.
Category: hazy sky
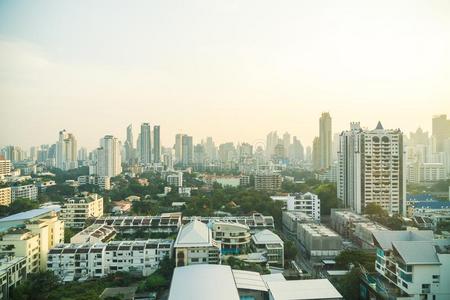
(234, 70)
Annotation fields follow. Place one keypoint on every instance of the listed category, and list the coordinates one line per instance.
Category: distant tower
(156, 144)
(145, 144)
(109, 157)
(325, 141)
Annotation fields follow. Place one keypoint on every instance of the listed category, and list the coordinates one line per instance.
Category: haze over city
(234, 70)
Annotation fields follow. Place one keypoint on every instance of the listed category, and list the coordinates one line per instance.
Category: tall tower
(108, 157)
(325, 141)
(440, 132)
(145, 144)
(66, 151)
(187, 150)
(156, 144)
(178, 147)
(371, 169)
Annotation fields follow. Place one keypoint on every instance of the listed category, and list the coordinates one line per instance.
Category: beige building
(34, 241)
(77, 210)
(268, 181)
(5, 196)
(234, 237)
(5, 167)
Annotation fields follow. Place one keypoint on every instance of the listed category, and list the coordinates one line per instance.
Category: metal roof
(249, 280)
(266, 237)
(29, 214)
(303, 289)
(194, 234)
(417, 252)
(385, 238)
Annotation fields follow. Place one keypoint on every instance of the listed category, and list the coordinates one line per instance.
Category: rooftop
(303, 289)
(194, 234)
(266, 237)
(385, 238)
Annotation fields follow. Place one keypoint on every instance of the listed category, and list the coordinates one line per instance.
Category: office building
(5, 196)
(145, 144)
(66, 151)
(109, 157)
(270, 245)
(325, 141)
(372, 169)
(410, 265)
(29, 191)
(76, 210)
(195, 245)
(83, 261)
(156, 144)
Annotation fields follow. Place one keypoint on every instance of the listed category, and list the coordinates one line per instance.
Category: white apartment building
(271, 245)
(66, 151)
(5, 196)
(234, 237)
(421, 172)
(76, 210)
(372, 169)
(13, 271)
(307, 203)
(29, 191)
(83, 261)
(195, 245)
(109, 157)
(417, 266)
(175, 179)
(103, 182)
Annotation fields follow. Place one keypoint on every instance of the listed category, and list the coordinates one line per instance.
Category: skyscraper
(187, 150)
(66, 151)
(145, 144)
(271, 141)
(156, 144)
(178, 147)
(129, 145)
(325, 143)
(371, 169)
(316, 153)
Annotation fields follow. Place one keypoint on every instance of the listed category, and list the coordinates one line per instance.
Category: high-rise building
(308, 157)
(316, 153)
(372, 169)
(178, 147)
(210, 148)
(187, 150)
(156, 144)
(271, 141)
(109, 157)
(145, 144)
(325, 142)
(66, 151)
(441, 132)
(5, 167)
(129, 145)
(13, 153)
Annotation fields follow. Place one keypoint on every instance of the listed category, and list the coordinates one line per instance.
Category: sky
(234, 70)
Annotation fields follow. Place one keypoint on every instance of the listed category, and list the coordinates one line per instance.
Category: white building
(234, 237)
(76, 210)
(271, 245)
(66, 151)
(13, 271)
(422, 172)
(29, 191)
(103, 182)
(372, 169)
(96, 233)
(307, 203)
(414, 263)
(109, 157)
(76, 261)
(175, 179)
(195, 245)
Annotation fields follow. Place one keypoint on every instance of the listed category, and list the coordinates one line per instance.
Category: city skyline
(250, 67)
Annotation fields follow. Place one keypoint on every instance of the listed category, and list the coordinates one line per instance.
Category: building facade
(76, 210)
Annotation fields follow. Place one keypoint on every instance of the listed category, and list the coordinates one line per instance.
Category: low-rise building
(234, 237)
(318, 240)
(20, 219)
(103, 182)
(410, 265)
(13, 271)
(268, 181)
(255, 221)
(267, 242)
(291, 219)
(29, 191)
(76, 210)
(175, 179)
(195, 245)
(22, 243)
(96, 233)
(5, 196)
(83, 261)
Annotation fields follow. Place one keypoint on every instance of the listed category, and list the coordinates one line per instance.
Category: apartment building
(5, 167)
(195, 245)
(307, 203)
(175, 179)
(410, 265)
(234, 237)
(268, 181)
(29, 191)
(5, 196)
(82, 261)
(76, 210)
(318, 240)
(270, 245)
(255, 221)
(13, 271)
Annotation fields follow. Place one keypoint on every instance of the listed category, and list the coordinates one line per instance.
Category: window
(194, 259)
(436, 278)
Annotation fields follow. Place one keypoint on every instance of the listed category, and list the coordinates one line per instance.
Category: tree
(290, 250)
(356, 257)
(36, 287)
(328, 198)
(348, 285)
(21, 205)
(373, 209)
